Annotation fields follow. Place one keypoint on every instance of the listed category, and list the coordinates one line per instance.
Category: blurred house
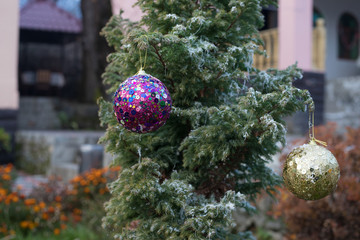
(49, 50)
(323, 37)
(40, 74)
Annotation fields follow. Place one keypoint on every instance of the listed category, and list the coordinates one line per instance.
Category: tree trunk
(95, 14)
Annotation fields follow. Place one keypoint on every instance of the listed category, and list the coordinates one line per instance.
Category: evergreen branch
(219, 74)
(159, 56)
(172, 84)
(232, 24)
(273, 109)
(163, 63)
(130, 151)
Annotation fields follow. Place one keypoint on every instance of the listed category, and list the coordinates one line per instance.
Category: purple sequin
(142, 104)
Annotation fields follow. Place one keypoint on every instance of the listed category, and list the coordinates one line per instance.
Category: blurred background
(52, 57)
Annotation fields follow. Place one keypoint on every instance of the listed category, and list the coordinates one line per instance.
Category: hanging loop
(312, 138)
(143, 63)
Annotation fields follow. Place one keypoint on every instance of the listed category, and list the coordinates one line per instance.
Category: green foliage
(33, 155)
(79, 232)
(262, 234)
(67, 122)
(4, 140)
(184, 180)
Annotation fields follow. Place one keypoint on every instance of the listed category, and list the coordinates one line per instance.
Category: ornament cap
(141, 72)
(312, 142)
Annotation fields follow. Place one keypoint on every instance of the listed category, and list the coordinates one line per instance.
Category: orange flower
(42, 205)
(58, 199)
(77, 218)
(45, 216)
(87, 190)
(115, 169)
(83, 182)
(31, 225)
(63, 218)
(3, 192)
(102, 191)
(76, 179)
(15, 198)
(58, 205)
(98, 173)
(56, 231)
(24, 224)
(76, 211)
(3, 229)
(27, 224)
(6, 177)
(8, 168)
(51, 209)
(36, 208)
(62, 226)
(29, 201)
(292, 236)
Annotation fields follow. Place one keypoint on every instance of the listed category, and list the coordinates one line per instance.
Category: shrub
(23, 215)
(52, 206)
(4, 140)
(91, 185)
(338, 215)
(89, 191)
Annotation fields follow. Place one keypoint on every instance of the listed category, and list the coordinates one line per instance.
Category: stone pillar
(9, 28)
(295, 33)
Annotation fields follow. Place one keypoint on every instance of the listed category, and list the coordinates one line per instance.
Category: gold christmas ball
(311, 172)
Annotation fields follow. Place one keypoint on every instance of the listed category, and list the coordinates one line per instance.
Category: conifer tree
(184, 180)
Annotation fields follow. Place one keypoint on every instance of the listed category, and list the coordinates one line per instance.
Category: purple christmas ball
(142, 103)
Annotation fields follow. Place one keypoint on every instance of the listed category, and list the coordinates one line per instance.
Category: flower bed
(50, 208)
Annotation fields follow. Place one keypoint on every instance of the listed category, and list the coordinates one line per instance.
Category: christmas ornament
(142, 103)
(311, 172)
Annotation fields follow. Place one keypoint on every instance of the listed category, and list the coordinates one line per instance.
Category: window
(348, 37)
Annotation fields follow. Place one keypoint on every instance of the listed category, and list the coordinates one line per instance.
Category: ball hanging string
(312, 131)
(142, 64)
(311, 172)
(142, 103)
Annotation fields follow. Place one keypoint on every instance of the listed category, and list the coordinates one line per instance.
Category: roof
(44, 15)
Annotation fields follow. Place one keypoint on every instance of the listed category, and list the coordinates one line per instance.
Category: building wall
(342, 88)
(295, 33)
(130, 11)
(9, 28)
(332, 10)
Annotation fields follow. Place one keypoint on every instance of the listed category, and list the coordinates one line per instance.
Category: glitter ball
(311, 172)
(142, 103)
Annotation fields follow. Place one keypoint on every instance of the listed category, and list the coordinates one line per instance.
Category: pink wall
(295, 33)
(130, 12)
(9, 31)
